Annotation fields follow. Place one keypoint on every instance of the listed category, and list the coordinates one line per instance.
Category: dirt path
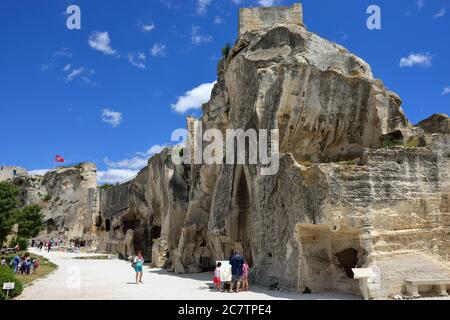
(113, 279)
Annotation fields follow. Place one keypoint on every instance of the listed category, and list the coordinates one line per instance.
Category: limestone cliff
(340, 199)
(68, 196)
(358, 185)
(149, 209)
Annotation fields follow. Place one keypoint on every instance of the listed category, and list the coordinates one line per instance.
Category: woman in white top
(138, 263)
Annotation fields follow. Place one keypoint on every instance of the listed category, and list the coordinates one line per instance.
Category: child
(36, 264)
(244, 277)
(217, 281)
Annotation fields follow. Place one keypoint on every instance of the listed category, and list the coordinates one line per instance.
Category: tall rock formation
(68, 196)
(357, 185)
(340, 199)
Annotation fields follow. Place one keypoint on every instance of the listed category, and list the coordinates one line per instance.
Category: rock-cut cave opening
(348, 259)
(241, 217)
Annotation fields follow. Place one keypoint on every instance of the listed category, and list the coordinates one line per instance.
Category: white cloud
(439, 14)
(115, 175)
(218, 20)
(202, 6)
(446, 91)
(152, 151)
(74, 74)
(155, 149)
(63, 52)
(125, 169)
(268, 3)
(148, 27)
(100, 41)
(38, 172)
(137, 59)
(198, 38)
(193, 99)
(420, 4)
(416, 59)
(114, 118)
(134, 163)
(158, 50)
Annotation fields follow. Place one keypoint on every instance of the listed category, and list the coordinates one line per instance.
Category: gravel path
(114, 280)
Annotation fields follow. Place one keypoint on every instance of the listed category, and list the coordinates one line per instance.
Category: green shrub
(106, 186)
(30, 221)
(7, 275)
(226, 50)
(23, 243)
(9, 205)
(48, 197)
(390, 142)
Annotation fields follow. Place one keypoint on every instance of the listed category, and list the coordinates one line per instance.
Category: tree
(226, 50)
(9, 205)
(30, 221)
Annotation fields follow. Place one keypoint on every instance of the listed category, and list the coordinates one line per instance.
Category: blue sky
(114, 91)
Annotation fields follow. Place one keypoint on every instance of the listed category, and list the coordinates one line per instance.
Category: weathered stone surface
(153, 206)
(11, 172)
(358, 185)
(68, 196)
(437, 123)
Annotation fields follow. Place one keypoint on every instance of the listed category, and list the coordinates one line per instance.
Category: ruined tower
(253, 19)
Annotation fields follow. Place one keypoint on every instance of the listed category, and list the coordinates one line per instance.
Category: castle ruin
(255, 19)
(11, 172)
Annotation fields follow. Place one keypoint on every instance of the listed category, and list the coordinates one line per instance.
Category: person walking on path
(236, 262)
(138, 264)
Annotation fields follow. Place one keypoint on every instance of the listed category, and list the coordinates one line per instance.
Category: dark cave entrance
(327, 257)
(107, 225)
(240, 218)
(155, 233)
(51, 226)
(132, 221)
(348, 260)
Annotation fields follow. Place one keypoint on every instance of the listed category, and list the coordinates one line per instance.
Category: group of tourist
(239, 274)
(47, 245)
(25, 265)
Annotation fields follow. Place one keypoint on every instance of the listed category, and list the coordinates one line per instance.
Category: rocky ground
(113, 280)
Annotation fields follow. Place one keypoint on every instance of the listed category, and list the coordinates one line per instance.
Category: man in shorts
(236, 262)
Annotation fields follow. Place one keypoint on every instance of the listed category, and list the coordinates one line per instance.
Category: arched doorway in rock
(51, 226)
(240, 218)
(133, 221)
(348, 259)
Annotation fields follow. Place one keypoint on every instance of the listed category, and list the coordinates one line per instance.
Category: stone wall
(11, 172)
(256, 19)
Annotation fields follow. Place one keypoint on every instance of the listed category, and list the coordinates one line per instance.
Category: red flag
(58, 158)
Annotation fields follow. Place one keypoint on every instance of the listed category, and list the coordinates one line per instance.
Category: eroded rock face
(322, 98)
(69, 200)
(150, 207)
(438, 123)
(313, 221)
(357, 186)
